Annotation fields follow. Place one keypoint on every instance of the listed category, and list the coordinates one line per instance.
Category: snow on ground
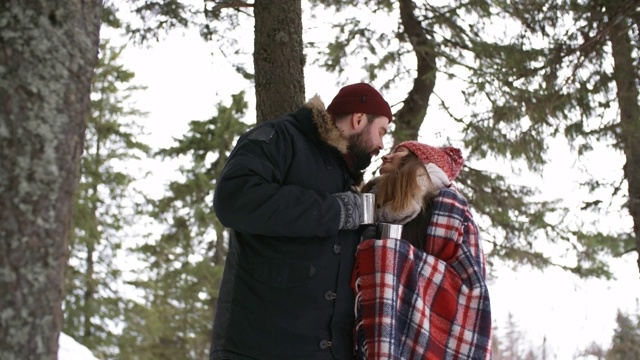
(69, 349)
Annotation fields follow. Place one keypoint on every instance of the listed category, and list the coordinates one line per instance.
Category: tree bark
(625, 74)
(278, 58)
(48, 51)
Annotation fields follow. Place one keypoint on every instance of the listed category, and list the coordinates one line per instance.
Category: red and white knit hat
(447, 158)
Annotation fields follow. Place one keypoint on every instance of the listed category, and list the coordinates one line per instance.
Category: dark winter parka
(285, 292)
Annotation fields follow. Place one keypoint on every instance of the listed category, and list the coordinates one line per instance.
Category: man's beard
(360, 147)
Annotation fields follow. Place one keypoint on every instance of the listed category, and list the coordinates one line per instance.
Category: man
(285, 195)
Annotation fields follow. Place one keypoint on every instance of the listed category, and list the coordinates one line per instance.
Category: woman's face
(391, 162)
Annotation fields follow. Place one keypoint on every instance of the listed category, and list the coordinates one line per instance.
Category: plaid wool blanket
(425, 304)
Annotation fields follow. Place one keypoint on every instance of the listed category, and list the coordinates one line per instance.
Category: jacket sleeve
(250, 196)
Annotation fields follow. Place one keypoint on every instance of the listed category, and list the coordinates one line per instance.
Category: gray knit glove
(350, 210)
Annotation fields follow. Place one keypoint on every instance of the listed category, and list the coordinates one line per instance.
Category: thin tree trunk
(278, 58)
(409, 118)
(626, 76)
(48, 51)
(89, 293)
(89, 282)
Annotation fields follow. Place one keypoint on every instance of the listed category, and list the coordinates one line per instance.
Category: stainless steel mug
(388, 231)
(368, 208)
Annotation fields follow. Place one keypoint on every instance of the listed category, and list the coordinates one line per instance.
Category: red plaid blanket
(431, 304)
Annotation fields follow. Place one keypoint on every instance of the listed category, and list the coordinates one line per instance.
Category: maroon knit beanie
(360, 98)
(447, 158)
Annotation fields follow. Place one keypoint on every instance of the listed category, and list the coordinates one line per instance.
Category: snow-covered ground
(69, 349)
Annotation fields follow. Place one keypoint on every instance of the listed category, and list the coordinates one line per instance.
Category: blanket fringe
(360, 340)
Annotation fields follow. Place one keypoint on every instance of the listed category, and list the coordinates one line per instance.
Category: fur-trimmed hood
(327, 128)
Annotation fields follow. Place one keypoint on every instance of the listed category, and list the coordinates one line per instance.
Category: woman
(410, 177)
(423, 296)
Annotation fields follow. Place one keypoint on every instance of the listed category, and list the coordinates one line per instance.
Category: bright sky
(184, 83)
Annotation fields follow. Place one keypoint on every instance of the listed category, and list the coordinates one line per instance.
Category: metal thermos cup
(388, 231)
(368, 208)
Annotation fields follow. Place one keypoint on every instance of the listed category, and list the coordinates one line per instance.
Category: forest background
(543, 97)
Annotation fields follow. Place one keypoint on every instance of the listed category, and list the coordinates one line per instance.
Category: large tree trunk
(48, 51)
(625, 73)
(278, 57)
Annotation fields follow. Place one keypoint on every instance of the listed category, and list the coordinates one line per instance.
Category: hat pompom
(455, 156)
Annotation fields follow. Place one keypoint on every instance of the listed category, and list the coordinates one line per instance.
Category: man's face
(368, 142)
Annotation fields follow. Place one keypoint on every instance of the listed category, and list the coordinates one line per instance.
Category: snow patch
(69, 349)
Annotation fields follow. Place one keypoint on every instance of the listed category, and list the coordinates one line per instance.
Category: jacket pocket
(281, 274)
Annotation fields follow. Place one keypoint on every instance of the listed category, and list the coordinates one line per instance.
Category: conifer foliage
(625, 344)
(106, 207)
(569, 70)
(183, 265)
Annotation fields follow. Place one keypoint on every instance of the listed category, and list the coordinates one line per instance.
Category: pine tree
(179, 288)
(593, 350)
(564, 69)
(625, 344)
(106, 208)
(511, 343)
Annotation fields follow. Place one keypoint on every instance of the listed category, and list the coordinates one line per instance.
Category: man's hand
(350, 210)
